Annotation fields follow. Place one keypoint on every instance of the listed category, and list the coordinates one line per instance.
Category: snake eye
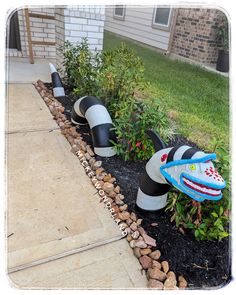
(192, 167)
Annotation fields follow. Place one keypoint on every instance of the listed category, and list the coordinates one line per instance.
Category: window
(162, 18)
(119, 12)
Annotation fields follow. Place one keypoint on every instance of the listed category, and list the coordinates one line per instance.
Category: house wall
(137, 25)
(71, 23)
(41, 30)
(75, 23)
(195, 34)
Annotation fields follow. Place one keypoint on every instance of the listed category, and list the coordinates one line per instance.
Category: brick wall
(71, 23)
(41, 30)
(195, 34)
(75, 23)
(59, 33)
(14, 52)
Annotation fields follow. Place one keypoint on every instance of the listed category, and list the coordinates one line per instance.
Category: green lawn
(197, 100)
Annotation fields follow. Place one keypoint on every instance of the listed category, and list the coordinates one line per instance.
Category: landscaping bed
(204, 264)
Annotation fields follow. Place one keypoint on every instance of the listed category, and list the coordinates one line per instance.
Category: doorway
(14, 33)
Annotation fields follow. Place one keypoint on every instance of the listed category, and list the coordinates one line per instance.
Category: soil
(204, 264)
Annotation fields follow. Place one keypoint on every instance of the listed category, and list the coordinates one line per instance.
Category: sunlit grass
(197, 100)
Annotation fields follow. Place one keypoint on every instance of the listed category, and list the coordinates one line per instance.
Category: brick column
(73, 23)
(41, 30)
(195, 34)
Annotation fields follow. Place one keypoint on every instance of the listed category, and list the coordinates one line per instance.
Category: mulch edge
(158, 273)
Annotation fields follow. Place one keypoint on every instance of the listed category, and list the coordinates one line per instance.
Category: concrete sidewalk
(21, 71)
(53, 208)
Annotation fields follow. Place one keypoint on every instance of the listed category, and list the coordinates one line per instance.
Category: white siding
(137, 25)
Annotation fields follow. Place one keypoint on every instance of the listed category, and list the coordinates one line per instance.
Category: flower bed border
(158, 274)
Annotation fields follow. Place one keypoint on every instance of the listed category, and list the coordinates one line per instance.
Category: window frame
(160, 26)
(116, 16)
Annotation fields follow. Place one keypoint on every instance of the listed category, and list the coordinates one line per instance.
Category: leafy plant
(80, 68)
(120, 76)
(208, 220)
(222, 33)
(117, 78)
(132, 119)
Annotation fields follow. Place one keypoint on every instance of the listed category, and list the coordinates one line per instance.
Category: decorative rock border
(158, 273)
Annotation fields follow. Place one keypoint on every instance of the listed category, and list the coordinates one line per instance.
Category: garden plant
(116, 76)
(137, 100)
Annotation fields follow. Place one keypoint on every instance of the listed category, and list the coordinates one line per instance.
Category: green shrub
(117, 78)
(120, 82)
(132, 119)
(208, 220)
(120, 76)
(80, 68)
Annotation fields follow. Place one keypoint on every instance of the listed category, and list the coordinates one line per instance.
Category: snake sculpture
(188, 169)
(89, 110)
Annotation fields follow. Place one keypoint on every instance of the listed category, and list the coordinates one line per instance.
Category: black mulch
(204, 264)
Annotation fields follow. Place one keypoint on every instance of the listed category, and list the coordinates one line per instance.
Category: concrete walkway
(53, 209)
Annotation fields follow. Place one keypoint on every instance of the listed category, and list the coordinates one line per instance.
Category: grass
(196, 99)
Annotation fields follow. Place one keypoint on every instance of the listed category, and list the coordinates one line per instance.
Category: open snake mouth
(201, 188)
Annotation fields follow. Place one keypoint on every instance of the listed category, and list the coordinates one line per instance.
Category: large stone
(99, 170)
(155, 273)
(107, 187)
(155, 254)
(133, 216)
(149, 240)
(133, 226)
(152, 283)
(145, 261)
(117, 189)
(141, 244)
(118, 200)
(100, 176)
(170, 284)
(107, 177)
(182, 282)
(172, 275)
(135, 235)
(121, 196)
(96, 165)
(124, 207)
(165, 266)
(112, 194)
(139, 221)
(124, 215)
(156, 264)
